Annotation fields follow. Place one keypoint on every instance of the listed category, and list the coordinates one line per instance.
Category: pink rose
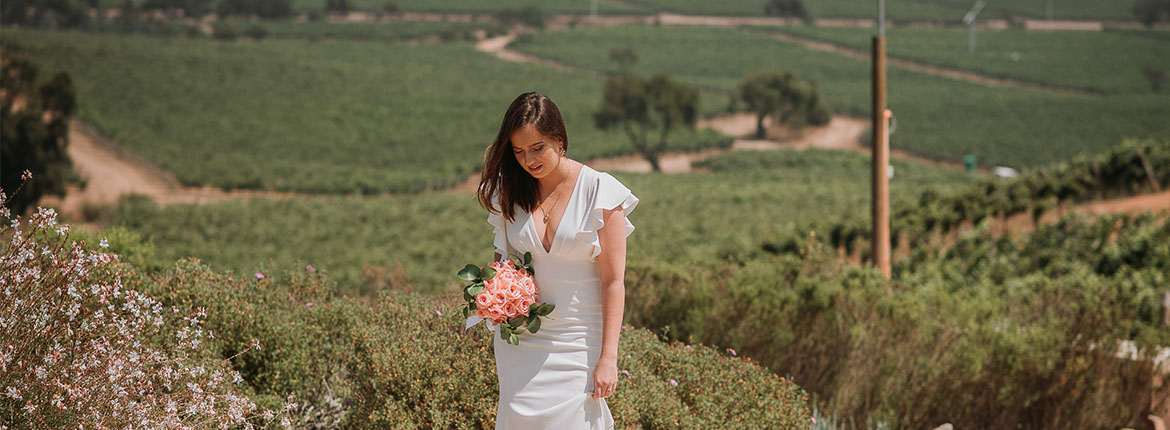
(482, 301)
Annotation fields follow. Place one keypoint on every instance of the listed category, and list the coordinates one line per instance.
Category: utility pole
(881, 151)
(969, 20)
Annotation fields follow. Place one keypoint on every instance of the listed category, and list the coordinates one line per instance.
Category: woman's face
(537, 154)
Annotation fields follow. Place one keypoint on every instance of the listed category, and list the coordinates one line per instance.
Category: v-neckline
(557, 230)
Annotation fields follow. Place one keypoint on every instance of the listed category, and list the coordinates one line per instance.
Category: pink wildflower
(310, 304)
(259, 275)
(732, 351)
(437, 312)
(625, 372)
(673, 382)
(309, 267)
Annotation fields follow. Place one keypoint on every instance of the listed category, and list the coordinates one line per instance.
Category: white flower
(284, 421)
(105, 243)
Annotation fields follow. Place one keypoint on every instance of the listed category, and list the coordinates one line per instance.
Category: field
(319, 117)
(745, 196)
(385, 32)
(938, 117)
(1109, 62)
(944, 10)
(742, 291)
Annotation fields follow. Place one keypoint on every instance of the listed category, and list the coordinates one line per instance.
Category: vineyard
(372, 244)
(749, 295)
(938, 117)
(951, 10)
(1105, 63)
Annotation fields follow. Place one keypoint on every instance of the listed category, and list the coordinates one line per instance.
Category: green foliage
(444, 378)
(48, 14)
(932, 10)
(939, 117)
(786, 8)
(1151, 11)
(529, 16)
(338, 6)
(785, 97)
(34, 125)
(993, 333)
(638, 106)
(624, 56)
(1108, 62)
(380, 31)
(217, 116)
(402, 360)
(183, 8)
(1117, 173)
(302, 334)
(257, 8)
(412, 242)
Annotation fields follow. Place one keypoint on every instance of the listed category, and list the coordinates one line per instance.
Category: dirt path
(946, 72)
(111, 172)
(498, 46)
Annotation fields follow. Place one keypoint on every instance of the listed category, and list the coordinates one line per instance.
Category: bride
(573, 220)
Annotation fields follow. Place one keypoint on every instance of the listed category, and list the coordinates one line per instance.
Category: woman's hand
(604, 379)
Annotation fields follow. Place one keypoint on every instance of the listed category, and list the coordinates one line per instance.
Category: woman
(573, 220)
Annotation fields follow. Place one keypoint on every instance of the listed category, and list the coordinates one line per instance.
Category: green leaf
(513, 339)
(468, 296)
(545, 309)
(475, 288)
(487, 273)
(515, 322)
(527, 258)
(504, 333)
(534, 325)
(466, 312)
(469, 272)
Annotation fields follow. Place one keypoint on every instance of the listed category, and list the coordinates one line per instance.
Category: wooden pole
(881, 159)
(1166, 309)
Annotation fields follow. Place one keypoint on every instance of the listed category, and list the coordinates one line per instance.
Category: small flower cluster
(77, 345)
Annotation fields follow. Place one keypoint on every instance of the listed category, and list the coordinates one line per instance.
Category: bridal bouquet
(504, 293)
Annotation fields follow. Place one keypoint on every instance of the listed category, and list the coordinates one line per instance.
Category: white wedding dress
(546, 381)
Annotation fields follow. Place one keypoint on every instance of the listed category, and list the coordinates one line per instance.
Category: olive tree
(640, 107)
(782, 95)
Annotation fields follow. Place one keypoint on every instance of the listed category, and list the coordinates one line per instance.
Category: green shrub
(402, 384)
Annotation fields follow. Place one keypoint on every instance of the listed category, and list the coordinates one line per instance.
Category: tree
(782, 95)
(260, 8)
(786, 8)
(624, 56)
(1151, 11)
(35, 130)
(639, 106)
(337, 6)
(189, 8)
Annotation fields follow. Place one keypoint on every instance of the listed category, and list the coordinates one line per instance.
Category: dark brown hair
(502, 175)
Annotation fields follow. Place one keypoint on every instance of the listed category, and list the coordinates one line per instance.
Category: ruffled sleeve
(610, 194)
(497, 221)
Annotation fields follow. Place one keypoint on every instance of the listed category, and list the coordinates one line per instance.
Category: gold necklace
(548, 213)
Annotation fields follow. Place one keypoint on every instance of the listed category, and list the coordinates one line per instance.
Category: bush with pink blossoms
(79, 348)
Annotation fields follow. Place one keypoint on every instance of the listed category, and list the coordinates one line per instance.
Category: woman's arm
(612, 262)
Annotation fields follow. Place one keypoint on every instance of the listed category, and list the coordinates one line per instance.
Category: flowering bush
(77, 347)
